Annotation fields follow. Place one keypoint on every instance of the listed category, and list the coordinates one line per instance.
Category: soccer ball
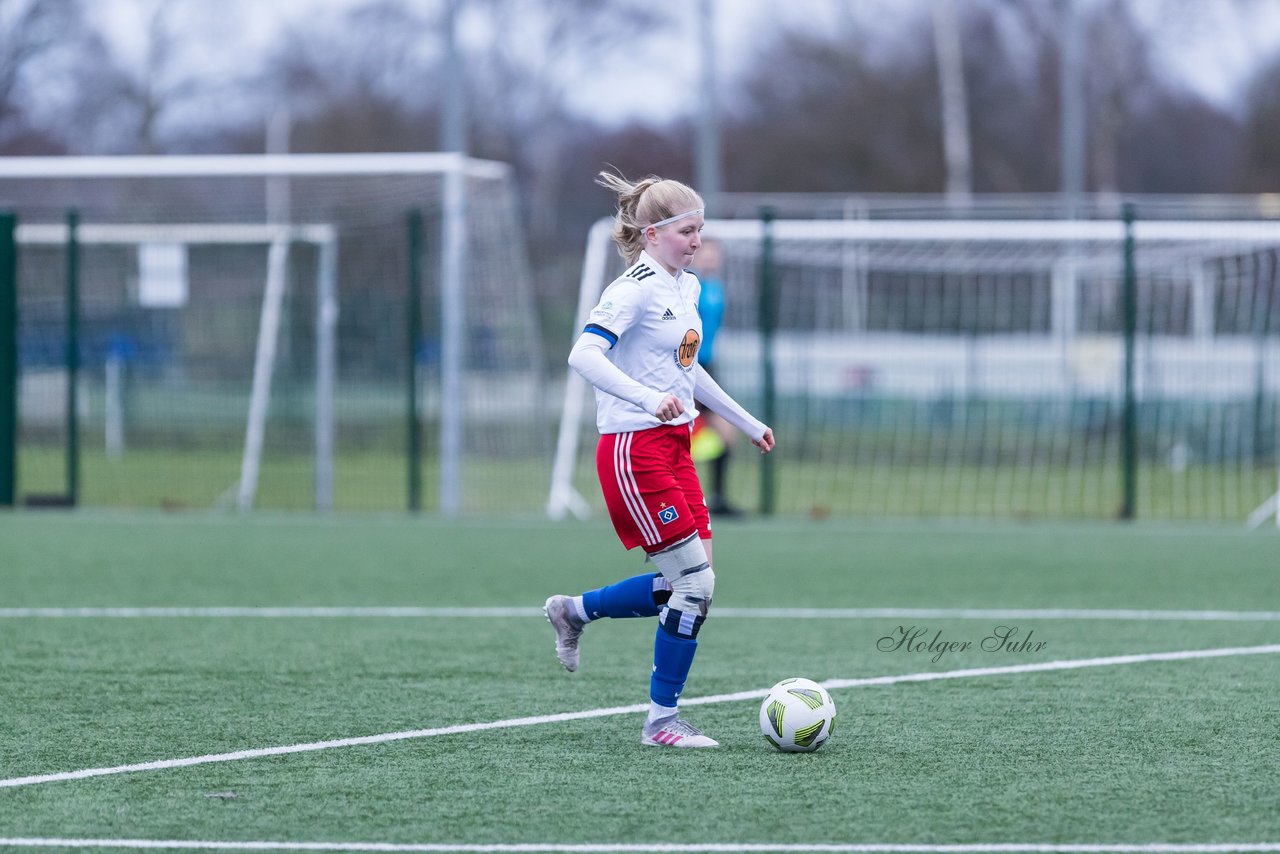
(797, 716)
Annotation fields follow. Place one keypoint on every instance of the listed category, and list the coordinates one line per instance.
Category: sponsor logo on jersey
(687, 352)
(605, 311)
(668, 315)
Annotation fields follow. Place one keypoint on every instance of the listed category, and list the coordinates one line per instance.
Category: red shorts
(651, 487)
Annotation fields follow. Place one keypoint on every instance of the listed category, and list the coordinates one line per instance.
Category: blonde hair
(641, 204)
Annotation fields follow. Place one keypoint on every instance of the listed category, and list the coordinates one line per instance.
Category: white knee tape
(692, 580)
(693, 593)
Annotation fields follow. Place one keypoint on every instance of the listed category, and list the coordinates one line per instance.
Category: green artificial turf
(1155, 751)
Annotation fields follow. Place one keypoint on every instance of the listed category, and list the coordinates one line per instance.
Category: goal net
(244, 332)
(962, 367)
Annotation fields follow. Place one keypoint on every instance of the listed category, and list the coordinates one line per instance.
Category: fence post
(1128, 413)
(8, 358)
(768, 323)
(414, 324)
(73, 357)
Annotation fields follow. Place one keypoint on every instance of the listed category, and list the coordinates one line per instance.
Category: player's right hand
(670, 408)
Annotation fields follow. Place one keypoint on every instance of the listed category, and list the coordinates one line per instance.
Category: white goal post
(971, 348)
(277, 238)
(482, 339)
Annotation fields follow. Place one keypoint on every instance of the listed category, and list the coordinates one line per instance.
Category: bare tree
(32, 35)
(159, 70)
(1141, 113)
(1012, 76)
(820, 113)
(1261, 168)
(525, 72)
(362, 81)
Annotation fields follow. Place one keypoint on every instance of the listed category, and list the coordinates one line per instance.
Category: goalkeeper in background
(712, 435)
(640, 351)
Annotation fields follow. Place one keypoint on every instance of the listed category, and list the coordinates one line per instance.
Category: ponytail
(643, 203)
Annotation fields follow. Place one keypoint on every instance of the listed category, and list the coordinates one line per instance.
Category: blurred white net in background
(976, 367)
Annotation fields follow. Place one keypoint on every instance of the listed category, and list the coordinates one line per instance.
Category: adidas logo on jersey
(668, 315)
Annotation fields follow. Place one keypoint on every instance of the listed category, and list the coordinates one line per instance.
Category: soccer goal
(1007, 368)
(247, 335)
(162, 282)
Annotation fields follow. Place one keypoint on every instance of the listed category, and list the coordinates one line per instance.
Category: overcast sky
(1209, 45)
(1215, 49)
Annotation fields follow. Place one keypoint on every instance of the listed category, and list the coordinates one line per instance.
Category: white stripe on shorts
(631, 491)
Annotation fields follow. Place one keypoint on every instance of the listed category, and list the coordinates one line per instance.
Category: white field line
(509, 723)
(665, 848)
(721, 613)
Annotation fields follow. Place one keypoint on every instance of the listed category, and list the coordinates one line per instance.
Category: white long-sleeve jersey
(641, 344)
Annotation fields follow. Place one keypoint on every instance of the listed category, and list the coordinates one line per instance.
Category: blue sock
(631, 597)
(672, 658)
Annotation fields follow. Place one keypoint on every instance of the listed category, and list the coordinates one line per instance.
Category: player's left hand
(765, 442)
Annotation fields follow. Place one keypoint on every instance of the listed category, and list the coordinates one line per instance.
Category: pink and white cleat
(568, 626)
(676, 732)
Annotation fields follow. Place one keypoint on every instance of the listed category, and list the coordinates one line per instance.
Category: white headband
(671, 219)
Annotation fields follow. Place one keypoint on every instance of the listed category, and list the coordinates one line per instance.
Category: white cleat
(676, 732)
(568, 625)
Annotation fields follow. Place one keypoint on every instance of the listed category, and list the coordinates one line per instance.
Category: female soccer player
(640, 351)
